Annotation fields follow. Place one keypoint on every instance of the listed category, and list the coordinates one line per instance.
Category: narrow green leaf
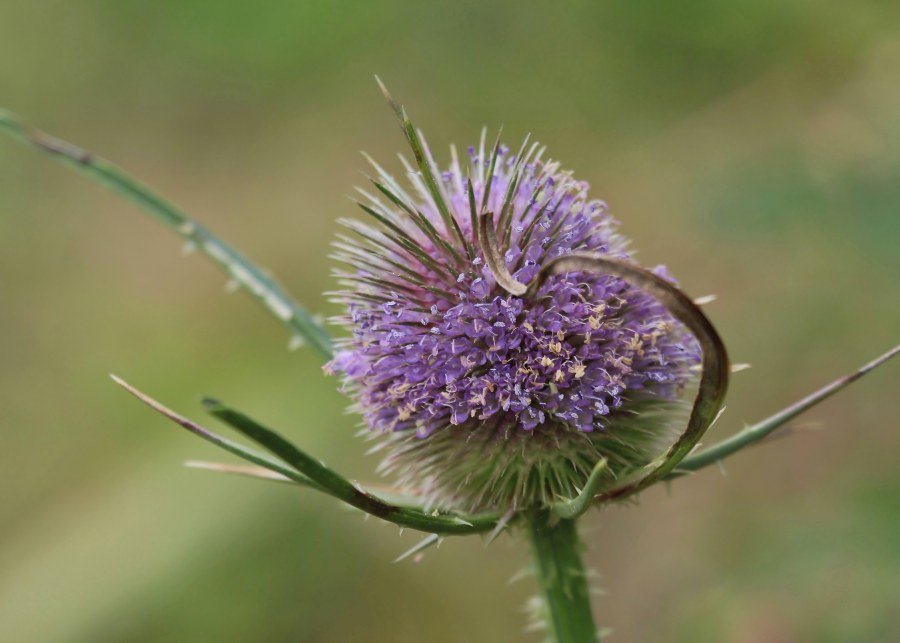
(757, 432)
(253, 279)
(425, 168)
(341, 488)
(306, 470)
(262, 473)
(239, 450)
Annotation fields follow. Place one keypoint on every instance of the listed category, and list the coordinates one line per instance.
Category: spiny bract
(485, 400)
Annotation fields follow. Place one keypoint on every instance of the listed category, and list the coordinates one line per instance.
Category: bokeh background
(753, 147)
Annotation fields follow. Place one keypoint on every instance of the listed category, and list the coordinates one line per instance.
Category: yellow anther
(577, 370)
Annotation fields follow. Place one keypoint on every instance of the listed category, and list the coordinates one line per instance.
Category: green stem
(562, 580)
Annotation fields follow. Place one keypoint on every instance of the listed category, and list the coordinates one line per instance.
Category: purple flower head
(484, 399)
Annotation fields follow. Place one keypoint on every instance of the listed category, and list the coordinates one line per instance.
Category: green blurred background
(753, 147)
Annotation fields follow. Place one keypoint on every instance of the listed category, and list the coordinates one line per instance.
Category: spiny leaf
(427, 172)
(341, 488)
(757, 432)
(306, 470)
(253, 279)
(386, 494)
(233, 447)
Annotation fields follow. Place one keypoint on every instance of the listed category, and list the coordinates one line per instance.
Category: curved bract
(715, 370)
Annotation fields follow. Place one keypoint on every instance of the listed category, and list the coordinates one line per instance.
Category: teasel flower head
(487, 384)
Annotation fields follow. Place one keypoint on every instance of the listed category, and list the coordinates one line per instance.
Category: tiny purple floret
(435, 341)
